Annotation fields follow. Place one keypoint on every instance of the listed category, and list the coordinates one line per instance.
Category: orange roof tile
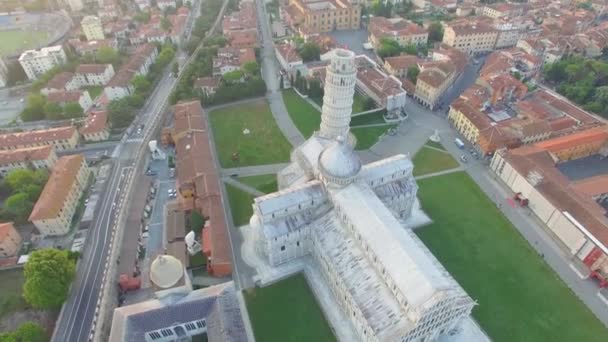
(25, 154)
(576, 139)
(5, 229)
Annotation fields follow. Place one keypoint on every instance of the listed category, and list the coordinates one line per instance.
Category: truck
(459, 143)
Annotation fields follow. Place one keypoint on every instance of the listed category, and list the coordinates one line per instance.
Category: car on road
(172, 172)
(172, 193)
(463, 158)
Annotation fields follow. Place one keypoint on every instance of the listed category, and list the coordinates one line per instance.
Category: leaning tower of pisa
(340, 81)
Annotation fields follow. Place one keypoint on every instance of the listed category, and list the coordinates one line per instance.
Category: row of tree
(23, 187)
(27, 332)
(583, 81)
(38, 108)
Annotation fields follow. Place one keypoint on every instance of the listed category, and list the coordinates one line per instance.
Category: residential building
(573, 209)
(62, 138)
(3, 73)
(399, 65)
(288, 56)
(37, 62)
(197, 183)
(230, 59)
(207, 85)
(94, 74)
(398, 29)
(385, 90)
(40, 157)
(82, 48)
(63, 81)
(92, 28)
(53, 212)
(139, 63)
(324, 15)
(96, 126)
(142, 4)
(470, 37)
(432, 82)
(165, 4)
(10, 240)
(75, 96)
(243, 39)
(501, 10)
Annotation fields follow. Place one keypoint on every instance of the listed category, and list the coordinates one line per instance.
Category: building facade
(53, 212)
(92, 28)
(94, 74)
(10, 240)
(42, 157)
(37, 62)
(472, 38)
(61, 138)
(325, 15)
(402, 31)
(96, 127)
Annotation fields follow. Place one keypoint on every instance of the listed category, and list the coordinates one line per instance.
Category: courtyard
(520, 297)
(288, 312)
(247, 135)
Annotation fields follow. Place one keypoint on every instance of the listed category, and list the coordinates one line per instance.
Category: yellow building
(92, 28)
(434, 79)
(96, 127)
(62, 138)
(10, 240)
(398, 29)
(42, 157)
(470, 37)
(324, 15)
(53, 212)
(467, 120)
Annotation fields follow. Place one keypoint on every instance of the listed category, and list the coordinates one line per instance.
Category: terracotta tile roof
(122, 78)
(478, 119)
(57, 188)
(402, 62)
(382, 27)
(92, 68)
(95, 123)
(288, 52)
(379, 83)
(64, 96)
(36, 137)
(211, 82)
(599, 135)
(5, 229)
(60, 80)
(466, 27)
(25, 154)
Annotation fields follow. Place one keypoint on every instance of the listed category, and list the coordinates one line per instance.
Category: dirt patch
(45, 319)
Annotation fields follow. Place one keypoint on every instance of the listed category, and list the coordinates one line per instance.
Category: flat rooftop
(578, 169)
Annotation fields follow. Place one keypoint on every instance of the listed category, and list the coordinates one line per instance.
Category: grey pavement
(248, 189)
(254, 170)
(440, 173)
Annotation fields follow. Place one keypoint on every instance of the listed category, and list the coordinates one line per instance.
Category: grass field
(240, 205)
(265, 144)
(368, 119)
(428, 160)
(287, 312)
(265, 183)
(358, 103)
(368, 136)
(11, 283)
(435, 145)
(94, 91)
(15, 41)
(520, 297)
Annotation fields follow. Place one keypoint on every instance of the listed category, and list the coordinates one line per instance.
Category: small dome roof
(166, 271)
(339, 163)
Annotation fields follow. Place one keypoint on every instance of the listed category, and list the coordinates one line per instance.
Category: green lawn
(368, 119)
(265, 183)
(428, 160)
(520, 297)
(265, 144)
(94, 91)
(198, 259)
(367, 137)
(288, 312)
(11, 283)
(358, 103)
(14, 41)
(240, 205)
(306, 117)
(435, 145)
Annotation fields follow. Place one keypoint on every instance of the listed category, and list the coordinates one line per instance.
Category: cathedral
(354, 223)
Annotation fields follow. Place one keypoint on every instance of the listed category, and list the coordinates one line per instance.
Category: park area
(15, 41)
(247, 135)
(288, 312)
(520, 298)
(432, 159)
(308, 119)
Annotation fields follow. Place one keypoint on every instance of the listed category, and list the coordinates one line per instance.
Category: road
(79, 313)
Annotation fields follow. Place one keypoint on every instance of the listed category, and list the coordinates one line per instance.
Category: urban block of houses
(61, 138)
(64, 97)
(91, 47)
(245, 19)
(198, 183)
(40, 157)
(471, 37)
(63, 81)
(573, 209)
(139, 63)
(207, 85)
(53, 212)
(230, 59)
(93, 74)
(10, 240)
(513, 60)
(322, 15)
(153, 32)
(92, 28)
(96, 126)
(243, 39)
(165, 4)
(37, 62)
(398, 29)
(118, 28)
(288, 56)
(501, 10)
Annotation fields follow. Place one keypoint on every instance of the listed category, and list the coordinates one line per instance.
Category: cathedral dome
(338, 163)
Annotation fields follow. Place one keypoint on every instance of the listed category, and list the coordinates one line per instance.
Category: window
(282, 248)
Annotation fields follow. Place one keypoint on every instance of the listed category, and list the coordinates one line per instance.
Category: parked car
(463, 158)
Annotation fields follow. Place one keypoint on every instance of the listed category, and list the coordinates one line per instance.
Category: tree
(120, 113)
(309, 52)
(36, 102)
(48, 274)
(53, 111)
(233, 76)
(412, 73)
(135, 101)
(18, 179)
(369, 104)
(165, 24)
(250, 68)
(381, 8)
(196, 221)
(141, 84)
(19, 205)
(29, 114)
(107, 55)
(314, 89)
(388, 48)
(142, 17)
(165, 56)
(27, 332)
(32, 191)
(175, 69)
(410, 49)
(435, 32)
(72, 110)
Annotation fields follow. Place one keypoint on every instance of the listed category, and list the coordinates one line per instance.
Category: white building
(92, 28)
(37, 62)
(3, 73)
(164, 4)
(94, 74)
(73, 5)
(354, 222)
